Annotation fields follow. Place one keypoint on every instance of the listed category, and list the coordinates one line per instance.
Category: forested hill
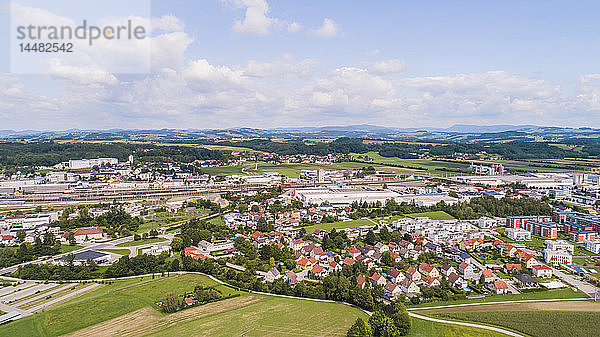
(19, 154)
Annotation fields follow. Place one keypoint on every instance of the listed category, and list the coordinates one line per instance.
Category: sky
(285, 63)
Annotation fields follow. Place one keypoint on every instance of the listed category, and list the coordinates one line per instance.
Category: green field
(127, 301)
(68, 248)
(116, 251)
(338, 225)
(423, 328)
(540, 295)
(536, 323)
(291, 170)
(437, 215)
(140, 242)
(253, 315)
(101, 305)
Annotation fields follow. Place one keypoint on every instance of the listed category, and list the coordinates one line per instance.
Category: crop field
(127, 308)
(540, 295)
(108, 302)
(292, 170)
(423, 328)
(537, 323)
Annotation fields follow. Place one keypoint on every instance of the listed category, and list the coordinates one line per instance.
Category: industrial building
(340, 196)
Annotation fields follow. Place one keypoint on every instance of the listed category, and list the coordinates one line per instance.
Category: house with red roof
(409, 287)
(361, 280)
(88, 233)
(488, 276)
(303, 262)
(397, 276)
(498, 287)
(542, 270)
(348, 261)
(392, 290)
(512, 268)
(319, 270)
(413, 274)
(377, 278)
(431, 281)
(428, 270)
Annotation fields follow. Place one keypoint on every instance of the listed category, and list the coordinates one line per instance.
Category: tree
(370, 237)
(170, 303)
(71, 239)
(382, 325)
(386, 258)
(397, 312)
(177, 244)
(360, 328)
(21, 235)
(174, 265)
(263, 226)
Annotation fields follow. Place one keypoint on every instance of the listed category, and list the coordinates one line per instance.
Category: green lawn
(69, 248)
(338, 225)
(423, 328)
(140, 242)
(540, 295)
(437, 215)
(101, 305)
(536, 323)
(116, 251)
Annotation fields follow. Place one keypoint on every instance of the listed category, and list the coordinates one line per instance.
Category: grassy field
(292, 170)
(423, 328)
(541, 295)
(536, 323)
(437, 215)
(115, 251)
(69, 248)
(140, 242)
(112, 309)
(106, 303)
(338, 225)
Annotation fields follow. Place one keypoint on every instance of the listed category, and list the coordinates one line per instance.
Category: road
(472, 325)
(583, 286)
(106, 245)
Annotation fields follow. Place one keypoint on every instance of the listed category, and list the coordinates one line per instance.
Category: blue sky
(266, 63)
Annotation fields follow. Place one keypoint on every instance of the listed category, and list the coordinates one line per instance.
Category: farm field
(541, 295)
(140, 242)
(537, 323)
(111, 309)
(292, 170)
(423, 328)
(105, 303)
(437, 166)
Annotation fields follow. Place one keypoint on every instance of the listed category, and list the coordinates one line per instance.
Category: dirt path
(554, 306)
(147, 320)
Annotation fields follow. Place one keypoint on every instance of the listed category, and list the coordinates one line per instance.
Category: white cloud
(256, 19)
(294, 27)
(389, 66)
(279, 68)
(329, 29)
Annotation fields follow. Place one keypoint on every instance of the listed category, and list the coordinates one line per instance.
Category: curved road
(472, 325)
